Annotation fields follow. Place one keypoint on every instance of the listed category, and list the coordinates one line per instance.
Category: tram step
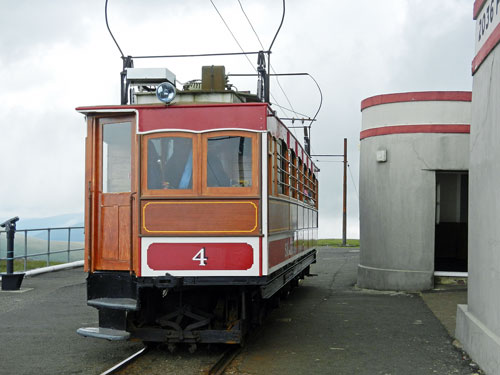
(104, 333)
(114, 303)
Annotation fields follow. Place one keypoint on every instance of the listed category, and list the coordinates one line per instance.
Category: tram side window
(229, 161)
(170, 163)
(300, 180)
(282, 168)
(293, 175)
(271, 166)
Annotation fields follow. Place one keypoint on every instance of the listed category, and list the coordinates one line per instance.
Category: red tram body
(197, 215)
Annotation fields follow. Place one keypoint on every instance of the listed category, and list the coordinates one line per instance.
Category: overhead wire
(234, 37)
(352, 179)
(231, 32)
(289, 110)
(271, 67)
(197, 55)
(319, 107)
(250, 23)
(292, 110)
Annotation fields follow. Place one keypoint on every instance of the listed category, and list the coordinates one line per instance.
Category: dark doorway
(452, 191)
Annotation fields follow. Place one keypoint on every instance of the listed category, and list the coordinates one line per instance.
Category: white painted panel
(147, 241)
(416, 113)
(264, 206)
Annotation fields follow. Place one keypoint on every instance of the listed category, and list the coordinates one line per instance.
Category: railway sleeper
(171, 336)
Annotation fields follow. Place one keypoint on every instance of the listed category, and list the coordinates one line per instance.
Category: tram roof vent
(148, 76)
(213, 78)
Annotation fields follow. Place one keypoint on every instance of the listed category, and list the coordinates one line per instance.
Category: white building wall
(415, 113)
(398, 197)
(478, 323)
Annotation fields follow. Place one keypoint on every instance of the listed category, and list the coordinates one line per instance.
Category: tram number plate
(196, 256)
(200, 257)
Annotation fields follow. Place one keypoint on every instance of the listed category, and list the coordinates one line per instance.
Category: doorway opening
(450, 243)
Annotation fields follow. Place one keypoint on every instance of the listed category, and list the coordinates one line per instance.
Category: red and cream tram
(198, 214)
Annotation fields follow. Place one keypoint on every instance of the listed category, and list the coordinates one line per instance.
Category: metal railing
(30, 244)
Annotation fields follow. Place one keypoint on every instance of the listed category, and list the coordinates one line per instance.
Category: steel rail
(224, 361)
(125, 362)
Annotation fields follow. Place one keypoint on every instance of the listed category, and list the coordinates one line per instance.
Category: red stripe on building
(407, 129)
(423, 96)
(486, 49)
(478, 5)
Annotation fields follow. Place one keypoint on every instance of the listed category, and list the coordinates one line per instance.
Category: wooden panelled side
(279, 216)
(109, 233)
(114, 232)
(218, 217)
(113, 237)
(89, 141)
(124, 232)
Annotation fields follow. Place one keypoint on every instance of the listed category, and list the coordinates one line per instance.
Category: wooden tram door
(116, 177)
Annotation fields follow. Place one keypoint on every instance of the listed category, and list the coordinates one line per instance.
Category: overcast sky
(56, 55)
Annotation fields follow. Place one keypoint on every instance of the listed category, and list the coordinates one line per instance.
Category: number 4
(200, 256)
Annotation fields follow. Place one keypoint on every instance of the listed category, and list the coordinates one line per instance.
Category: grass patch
(333, 242)
(30, 265)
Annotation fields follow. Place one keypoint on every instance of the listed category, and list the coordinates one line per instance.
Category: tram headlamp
(165, 92)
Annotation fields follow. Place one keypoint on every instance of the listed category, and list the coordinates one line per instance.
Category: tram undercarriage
(187, 309)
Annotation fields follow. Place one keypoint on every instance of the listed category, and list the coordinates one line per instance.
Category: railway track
(123, 364)
(158, 361)
(224, 361)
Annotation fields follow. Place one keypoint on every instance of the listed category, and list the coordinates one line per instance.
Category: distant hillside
(66, 220)
(36, 246)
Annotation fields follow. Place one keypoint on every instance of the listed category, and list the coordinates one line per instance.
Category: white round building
(413, 188)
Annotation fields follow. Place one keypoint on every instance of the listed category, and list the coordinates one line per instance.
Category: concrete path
(38, 329)
(326, 326)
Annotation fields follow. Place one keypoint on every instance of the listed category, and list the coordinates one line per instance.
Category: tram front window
(229, 161)
(170, 163)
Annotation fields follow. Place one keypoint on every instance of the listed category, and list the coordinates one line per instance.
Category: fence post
(48, 247)
(69, 242)
(25, 250)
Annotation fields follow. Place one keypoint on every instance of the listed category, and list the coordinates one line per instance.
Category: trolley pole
(344, 198)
